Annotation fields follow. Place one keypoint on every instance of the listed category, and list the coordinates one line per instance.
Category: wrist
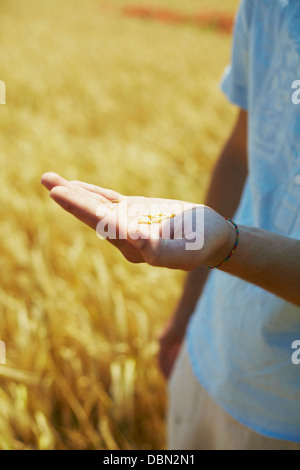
(228, 247)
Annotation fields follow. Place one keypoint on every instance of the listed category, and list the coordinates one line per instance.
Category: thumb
(157, 251)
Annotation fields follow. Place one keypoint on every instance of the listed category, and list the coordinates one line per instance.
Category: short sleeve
(235, 79)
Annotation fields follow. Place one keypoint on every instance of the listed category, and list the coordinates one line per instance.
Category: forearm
(268, 260)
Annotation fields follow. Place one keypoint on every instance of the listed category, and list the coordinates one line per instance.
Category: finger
(170, 254)
(107, 193)
(87, 210)
(81, 190)
(82, 207)
(50, 180)
(112, 224)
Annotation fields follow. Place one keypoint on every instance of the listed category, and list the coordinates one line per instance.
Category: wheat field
(124, 103)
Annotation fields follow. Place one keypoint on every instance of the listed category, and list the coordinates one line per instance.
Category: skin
(262, 258)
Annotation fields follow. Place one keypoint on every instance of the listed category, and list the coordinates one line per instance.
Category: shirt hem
(235, 93)
(234, 415)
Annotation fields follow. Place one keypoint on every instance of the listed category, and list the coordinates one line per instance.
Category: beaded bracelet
(234, 248)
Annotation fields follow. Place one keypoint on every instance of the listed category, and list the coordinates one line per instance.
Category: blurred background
(123, 95)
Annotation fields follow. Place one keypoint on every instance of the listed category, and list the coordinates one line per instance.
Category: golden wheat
(120, 103)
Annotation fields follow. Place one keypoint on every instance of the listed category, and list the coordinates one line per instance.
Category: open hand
(174, 242)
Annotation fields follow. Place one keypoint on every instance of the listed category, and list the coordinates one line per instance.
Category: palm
(165, 241)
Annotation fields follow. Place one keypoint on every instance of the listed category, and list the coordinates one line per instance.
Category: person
(228, 349)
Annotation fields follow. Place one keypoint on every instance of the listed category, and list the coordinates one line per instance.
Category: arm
(268, 260)
(228, 179)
